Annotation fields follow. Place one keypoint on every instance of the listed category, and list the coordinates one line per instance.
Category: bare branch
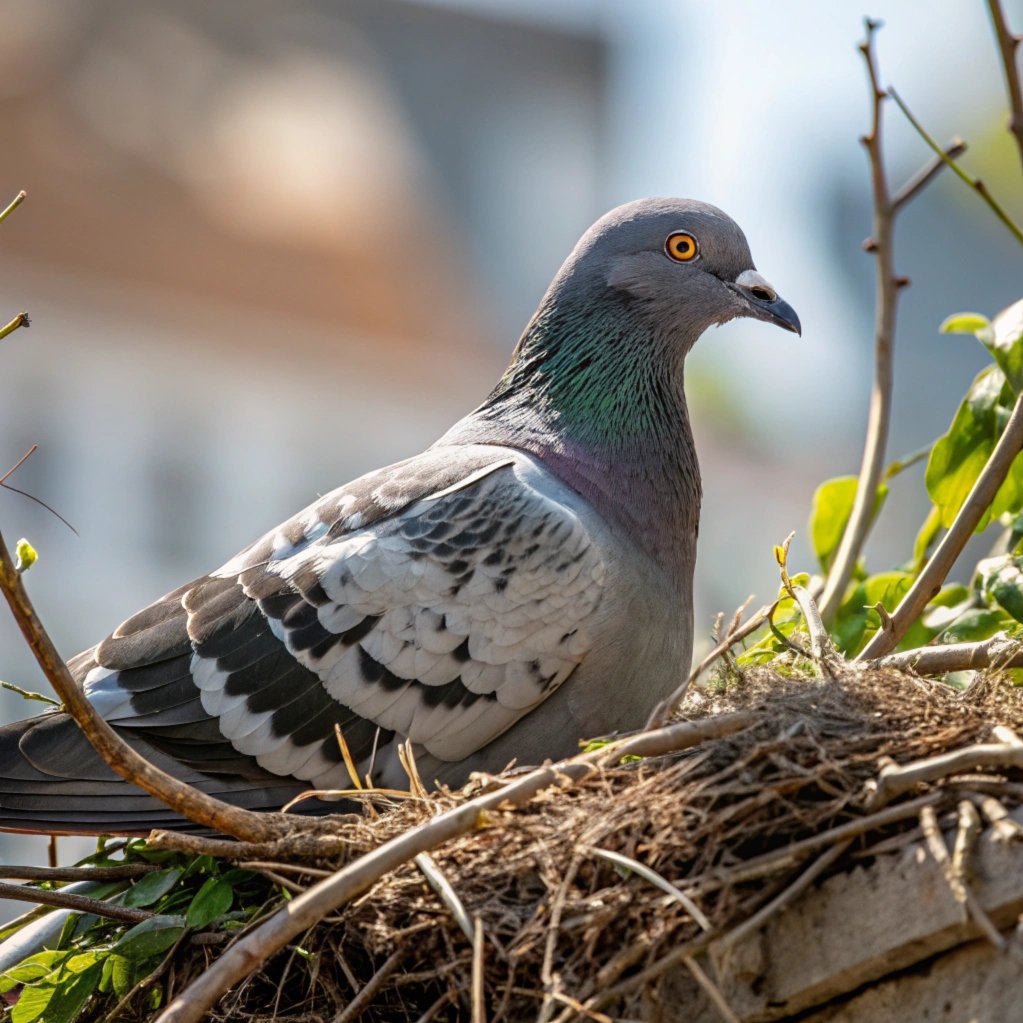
(115, 752)
(13, 205)
(879, 415)
(360, 1003)
(21, 320)
(895, 780)
(887, 287)
(118, 872)
(996, 652)
(923, 177)
(1007, 45)
(975, 183)
(929, 581)
(79, 903)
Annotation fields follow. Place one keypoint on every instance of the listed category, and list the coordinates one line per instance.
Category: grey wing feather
(441, 600)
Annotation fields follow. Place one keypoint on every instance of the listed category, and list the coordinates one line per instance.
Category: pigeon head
(595, 387)
(682, 265)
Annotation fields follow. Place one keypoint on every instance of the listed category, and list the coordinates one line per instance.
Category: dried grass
(563, 927)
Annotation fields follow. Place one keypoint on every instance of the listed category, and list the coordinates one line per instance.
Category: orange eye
(682, 247)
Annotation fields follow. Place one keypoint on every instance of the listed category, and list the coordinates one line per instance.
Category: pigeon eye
(682, 247)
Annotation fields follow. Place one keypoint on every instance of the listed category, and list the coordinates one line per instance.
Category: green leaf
(152, 887)
(29, 970)
(213, 900)
(974, 625)
(149, 938)
(1003, 338)
(958, 457)
(1001, 579)
(964, 323)
(32, 1003)
(829, 513)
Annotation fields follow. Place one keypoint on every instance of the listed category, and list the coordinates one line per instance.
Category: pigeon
(522, 584)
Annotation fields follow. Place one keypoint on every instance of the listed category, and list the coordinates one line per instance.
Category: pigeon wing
(438, 600)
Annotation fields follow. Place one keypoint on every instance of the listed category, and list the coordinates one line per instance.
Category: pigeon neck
(596, 394)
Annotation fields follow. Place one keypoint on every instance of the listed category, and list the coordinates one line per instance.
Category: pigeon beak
(764, 303)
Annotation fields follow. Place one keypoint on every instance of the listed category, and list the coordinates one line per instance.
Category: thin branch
(887, 287)
(119, 872)
(712, 991)
(13, 205)
(923, 177)
(360, 1003)
(360, 875)
(928, 582)
(975, 183)
(18, 464)
(996, 652)
(790, 856)
(477, 988)
(895, 780)
(1007, 45)
(736, 634)
(445, 891)
(115, 752)
(786, 897)
(645, 872)
(21, 320)
(79, 903)
(14, 490)
(822, 650)
(879, 415)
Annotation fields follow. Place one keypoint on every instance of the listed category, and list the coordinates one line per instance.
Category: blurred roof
(294, 159)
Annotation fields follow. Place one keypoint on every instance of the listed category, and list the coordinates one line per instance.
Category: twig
(360, 1003)
(21, 320)
(13, 205)
(120, 872)
(786, 897)
(639, 980)
(115, 752)
(27, 694)
(432, 1011)
(307, 909)
(659, 882)
(894, 780)
(935, 842)
(879, 415)
(294, 868)
(14, 490)
(712, 991)
(79, 903)
(1007, 44)
(979, 499)
(975, 183)
(915, 184)
(479, 1005)
(822, 650)
(887, 287)
(547, 977)
(769, 863)
(736, 634)
(18, 464)
(956, 870)
(997, 651)
(445, 892)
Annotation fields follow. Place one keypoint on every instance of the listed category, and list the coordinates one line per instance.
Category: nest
(564, 927)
